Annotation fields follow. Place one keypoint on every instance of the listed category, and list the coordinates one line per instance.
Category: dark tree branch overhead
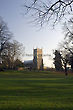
(45, 10)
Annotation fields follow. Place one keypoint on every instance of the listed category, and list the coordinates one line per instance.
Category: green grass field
(35, 91)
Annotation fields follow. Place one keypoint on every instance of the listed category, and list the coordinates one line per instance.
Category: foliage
(58, 60)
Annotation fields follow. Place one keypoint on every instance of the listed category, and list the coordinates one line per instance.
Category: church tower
(37, 59)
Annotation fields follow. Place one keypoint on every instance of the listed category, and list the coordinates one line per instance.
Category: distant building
(37, 59)
(37, 62)
(28, 64)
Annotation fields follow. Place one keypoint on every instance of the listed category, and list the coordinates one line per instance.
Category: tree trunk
(66, 73)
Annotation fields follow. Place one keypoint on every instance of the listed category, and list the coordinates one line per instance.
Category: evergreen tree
(57, 61)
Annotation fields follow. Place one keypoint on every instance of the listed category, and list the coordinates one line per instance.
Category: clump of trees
(66, 47)
(10, 50)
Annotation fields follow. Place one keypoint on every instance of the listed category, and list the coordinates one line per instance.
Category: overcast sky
(12, 13)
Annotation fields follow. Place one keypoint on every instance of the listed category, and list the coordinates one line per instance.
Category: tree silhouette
(58, 61)
(45, 10)
(5, 35)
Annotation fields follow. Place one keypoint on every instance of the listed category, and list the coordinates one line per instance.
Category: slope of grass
(35, 91)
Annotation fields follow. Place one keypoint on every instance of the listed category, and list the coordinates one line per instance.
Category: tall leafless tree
(5, 35)
(66, 47)
(68, 40)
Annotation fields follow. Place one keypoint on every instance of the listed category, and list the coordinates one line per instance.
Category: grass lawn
(35, 91)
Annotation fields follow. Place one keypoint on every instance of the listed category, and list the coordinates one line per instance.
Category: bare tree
(45, 10)
(11, 54)
(66, 47)
(68, 40)
(5, 35)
